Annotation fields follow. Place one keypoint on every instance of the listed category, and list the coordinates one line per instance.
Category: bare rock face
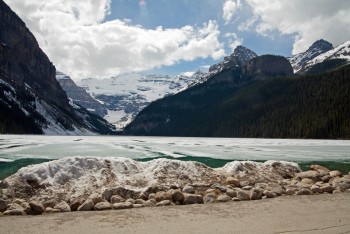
(79, 95)
(268, 66)
(35, 103)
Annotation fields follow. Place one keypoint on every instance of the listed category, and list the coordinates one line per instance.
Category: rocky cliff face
(31, 99)
(268, 66)
(80, 96)
(22, 62)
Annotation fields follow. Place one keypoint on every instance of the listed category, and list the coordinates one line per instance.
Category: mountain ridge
(31, 99)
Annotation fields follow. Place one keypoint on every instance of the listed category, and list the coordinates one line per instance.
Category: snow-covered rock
(299, 61)
(340, 52)
(239, 57)
(78, 176)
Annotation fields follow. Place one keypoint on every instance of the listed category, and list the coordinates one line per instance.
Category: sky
(104, 38)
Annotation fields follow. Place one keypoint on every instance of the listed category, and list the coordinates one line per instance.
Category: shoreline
(325, 213)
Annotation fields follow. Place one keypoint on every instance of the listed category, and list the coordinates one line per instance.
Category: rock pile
(318, 180)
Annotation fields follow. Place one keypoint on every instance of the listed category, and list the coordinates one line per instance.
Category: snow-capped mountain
(340, 52)
(126, 95)
(300, 61)
(239, 56)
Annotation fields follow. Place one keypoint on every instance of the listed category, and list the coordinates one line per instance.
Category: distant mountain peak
(321, 45)
(340, 52)
(239, 57)
(300, 61)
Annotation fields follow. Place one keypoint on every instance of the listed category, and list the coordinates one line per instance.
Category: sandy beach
(327, 213)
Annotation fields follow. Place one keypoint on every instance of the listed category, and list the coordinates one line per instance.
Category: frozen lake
(20, 150)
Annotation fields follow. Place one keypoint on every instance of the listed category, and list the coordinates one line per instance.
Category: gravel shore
(326, 213)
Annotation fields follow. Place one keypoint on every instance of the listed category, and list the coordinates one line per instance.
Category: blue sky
(175, 14)
(104, 38)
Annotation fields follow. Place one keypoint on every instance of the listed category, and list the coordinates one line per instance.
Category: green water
(10, 168)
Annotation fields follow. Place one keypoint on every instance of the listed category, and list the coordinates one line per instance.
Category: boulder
(139, 201)
(14, 212)
(102, 206)
(177, 197)
(269, 194)
(63, 207)
(290, 191)
(319, 169)
(209, 198)
(314, 175)
(122, 206)
(232, 181)
(304, 191)
(150, 203)
(164, 203)
(152, 196)
(144, 196)
(326, 178)
(96, 198)
(219, 187)
(235, 199)
(28, 209)
(188, 189)
(86, 206)
(75, 203)
(116, 199)
(316, 189)
(243, 195)
(231, 193)
(37, 207)
(335, 173)
(327, 188)
(49, 203)
(161, 196)
(15, 206)
(307, 181)
(342, 183)
(3, 205)
(275, 188)
(123, 192)
(255, 194)
(132, 201)
(193, 199)
(223, 198)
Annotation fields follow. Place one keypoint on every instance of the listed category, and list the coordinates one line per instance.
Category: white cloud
(229, 9)
(233, 40)
(81, 44)
(308, 20)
